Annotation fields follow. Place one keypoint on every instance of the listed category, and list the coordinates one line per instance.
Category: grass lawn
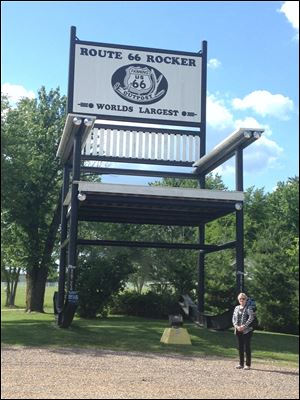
(134, 334)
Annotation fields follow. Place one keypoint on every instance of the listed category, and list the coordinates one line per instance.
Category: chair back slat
(142, 145)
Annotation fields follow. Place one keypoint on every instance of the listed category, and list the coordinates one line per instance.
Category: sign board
(135, 84)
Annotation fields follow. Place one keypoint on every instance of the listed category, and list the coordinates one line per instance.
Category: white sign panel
(137, 84)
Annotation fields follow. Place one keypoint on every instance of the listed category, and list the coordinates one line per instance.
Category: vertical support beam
(201, 229)
(71, 70)
(239, 224)
(203, 100)
(63, 236)
(201, 270)
(72, 246)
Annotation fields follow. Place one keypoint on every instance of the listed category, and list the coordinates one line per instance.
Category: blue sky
(253, 63)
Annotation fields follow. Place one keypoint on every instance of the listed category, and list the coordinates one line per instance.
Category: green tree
(257, 208)
(274, 273)
(174, 271)
(101, 274)
(178, 270)
(12, 258)
(31, 183)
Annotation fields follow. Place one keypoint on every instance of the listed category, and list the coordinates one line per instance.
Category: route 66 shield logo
(139, 83)
(138, 80)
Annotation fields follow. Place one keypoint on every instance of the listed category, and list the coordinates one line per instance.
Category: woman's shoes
(242, 367)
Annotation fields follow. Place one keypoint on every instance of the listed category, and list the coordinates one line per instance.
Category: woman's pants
(244, 346)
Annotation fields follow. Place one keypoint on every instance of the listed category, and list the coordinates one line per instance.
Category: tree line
(30, 215)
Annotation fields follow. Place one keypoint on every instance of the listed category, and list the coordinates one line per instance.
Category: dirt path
(94, 374)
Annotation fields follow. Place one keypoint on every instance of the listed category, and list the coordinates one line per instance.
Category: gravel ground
(31, 373)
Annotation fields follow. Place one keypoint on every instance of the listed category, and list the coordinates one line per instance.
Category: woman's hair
(242, 295)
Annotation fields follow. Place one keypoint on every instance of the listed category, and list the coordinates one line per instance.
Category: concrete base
(175, 336)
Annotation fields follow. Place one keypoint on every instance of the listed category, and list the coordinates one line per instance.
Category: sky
(253, 63)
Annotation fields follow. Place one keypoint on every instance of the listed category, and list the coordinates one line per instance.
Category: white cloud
(291, 10)
(218, 116)
(16, 92)
(250, 122)
(263, 154)
(265, 104)
(226, 169)
(213, 63)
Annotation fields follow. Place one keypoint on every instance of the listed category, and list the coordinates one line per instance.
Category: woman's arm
(234, 317)
(250, 314)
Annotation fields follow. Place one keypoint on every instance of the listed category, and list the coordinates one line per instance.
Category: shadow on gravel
(276, 371)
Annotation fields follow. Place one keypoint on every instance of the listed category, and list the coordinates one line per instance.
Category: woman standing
(241, 319)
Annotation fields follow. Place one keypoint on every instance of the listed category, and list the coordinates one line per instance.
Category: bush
(150, 304)
(98, 280)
